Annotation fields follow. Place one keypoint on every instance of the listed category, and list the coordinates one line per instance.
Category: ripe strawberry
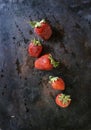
(63, 100)
(35, 48)
(42, 29)
(57, 83)
(46, 62)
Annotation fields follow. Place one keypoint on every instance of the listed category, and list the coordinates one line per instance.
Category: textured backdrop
(27, 102)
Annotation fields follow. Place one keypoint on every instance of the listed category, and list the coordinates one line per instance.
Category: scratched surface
(27, 102)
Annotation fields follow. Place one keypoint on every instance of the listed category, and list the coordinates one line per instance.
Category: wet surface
(27, 102)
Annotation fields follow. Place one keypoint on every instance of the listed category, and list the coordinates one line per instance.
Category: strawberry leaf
(42, 21)
(53, 62)
(36, 42)
(52, 79)
(36, 23)
(64, 98)
(33, 23)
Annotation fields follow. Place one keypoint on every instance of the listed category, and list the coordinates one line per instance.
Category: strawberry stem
(36, 42)
(53, 62)
(64, 98)
(42, 21)
(36, 23)
(52, 79)
(32, 23)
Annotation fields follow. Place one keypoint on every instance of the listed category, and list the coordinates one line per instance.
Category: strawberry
(57, 83)
(35, 48)
(46, 62)
(63, 100)
(42, 29)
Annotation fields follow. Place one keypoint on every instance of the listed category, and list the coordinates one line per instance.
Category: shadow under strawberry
(58, 34)
(47, 49)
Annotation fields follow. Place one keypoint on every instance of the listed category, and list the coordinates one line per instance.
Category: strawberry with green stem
(35, 48)
(46, 62)
(57, 83)
(42, 29)
(63, 100)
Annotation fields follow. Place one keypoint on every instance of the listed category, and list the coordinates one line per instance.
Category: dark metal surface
(27, 102)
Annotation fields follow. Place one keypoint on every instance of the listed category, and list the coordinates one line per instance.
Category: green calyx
(52, 79)
(36, 23)
(36, 42)
(64, 98)
(53, 62)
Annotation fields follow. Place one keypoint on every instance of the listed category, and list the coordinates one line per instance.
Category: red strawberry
(63, 100)
(42, 29)
(35, 48)
(57, 83)
(46, 62)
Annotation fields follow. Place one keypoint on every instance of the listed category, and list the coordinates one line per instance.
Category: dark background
(27, 101)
